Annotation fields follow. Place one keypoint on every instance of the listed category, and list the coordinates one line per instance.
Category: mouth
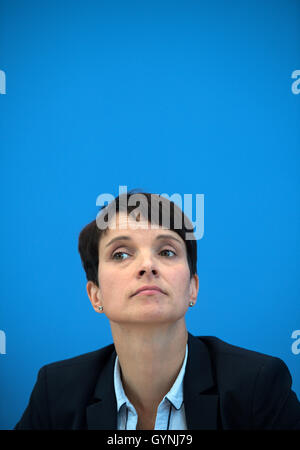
(149, 290)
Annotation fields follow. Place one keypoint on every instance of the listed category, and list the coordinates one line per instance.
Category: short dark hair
(90, 235)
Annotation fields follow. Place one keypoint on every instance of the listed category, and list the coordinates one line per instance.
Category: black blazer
(225, 387)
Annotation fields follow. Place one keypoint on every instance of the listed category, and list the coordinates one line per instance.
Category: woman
(141, 274)
(144, 286)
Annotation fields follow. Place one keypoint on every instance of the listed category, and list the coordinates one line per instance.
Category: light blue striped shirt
(170, 410)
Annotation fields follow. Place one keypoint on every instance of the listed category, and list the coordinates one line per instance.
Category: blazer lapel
(101, 414)
(201, 407)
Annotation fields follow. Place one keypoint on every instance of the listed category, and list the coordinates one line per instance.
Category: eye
(119, 253)
(168, 250)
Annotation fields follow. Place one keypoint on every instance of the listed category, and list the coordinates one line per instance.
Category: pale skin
(149, 331)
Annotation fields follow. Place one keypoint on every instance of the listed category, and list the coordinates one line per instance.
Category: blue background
(166, 96)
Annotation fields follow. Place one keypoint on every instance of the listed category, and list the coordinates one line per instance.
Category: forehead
(122, 224)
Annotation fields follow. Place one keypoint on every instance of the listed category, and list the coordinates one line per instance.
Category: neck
(150, 359)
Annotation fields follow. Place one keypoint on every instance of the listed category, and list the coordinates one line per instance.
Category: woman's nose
(147, 266)
(153, 271)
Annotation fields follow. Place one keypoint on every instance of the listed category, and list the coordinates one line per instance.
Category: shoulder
(82, 369)
(231, 362)
(220, 349)
(63, 390)
(83, 360)
(254, 388)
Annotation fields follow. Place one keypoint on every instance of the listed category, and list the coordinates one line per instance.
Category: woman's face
(132, 258)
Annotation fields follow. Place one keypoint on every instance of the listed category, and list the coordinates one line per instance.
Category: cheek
(180, 279)
(105, 282)
(111, 283)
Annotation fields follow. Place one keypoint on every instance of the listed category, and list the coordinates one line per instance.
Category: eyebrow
(127, 238)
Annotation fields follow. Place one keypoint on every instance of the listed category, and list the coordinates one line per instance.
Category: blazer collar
(200, 407)
(101, 414)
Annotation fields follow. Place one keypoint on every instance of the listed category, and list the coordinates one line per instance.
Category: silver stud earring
(191, 304)
(100, 308)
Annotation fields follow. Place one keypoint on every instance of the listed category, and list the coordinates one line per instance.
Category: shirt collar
(175, 394)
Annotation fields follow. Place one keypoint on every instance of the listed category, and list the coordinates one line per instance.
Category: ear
(194, 288)
(95, 296)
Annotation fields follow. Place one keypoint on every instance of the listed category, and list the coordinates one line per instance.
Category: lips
(148, 290)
